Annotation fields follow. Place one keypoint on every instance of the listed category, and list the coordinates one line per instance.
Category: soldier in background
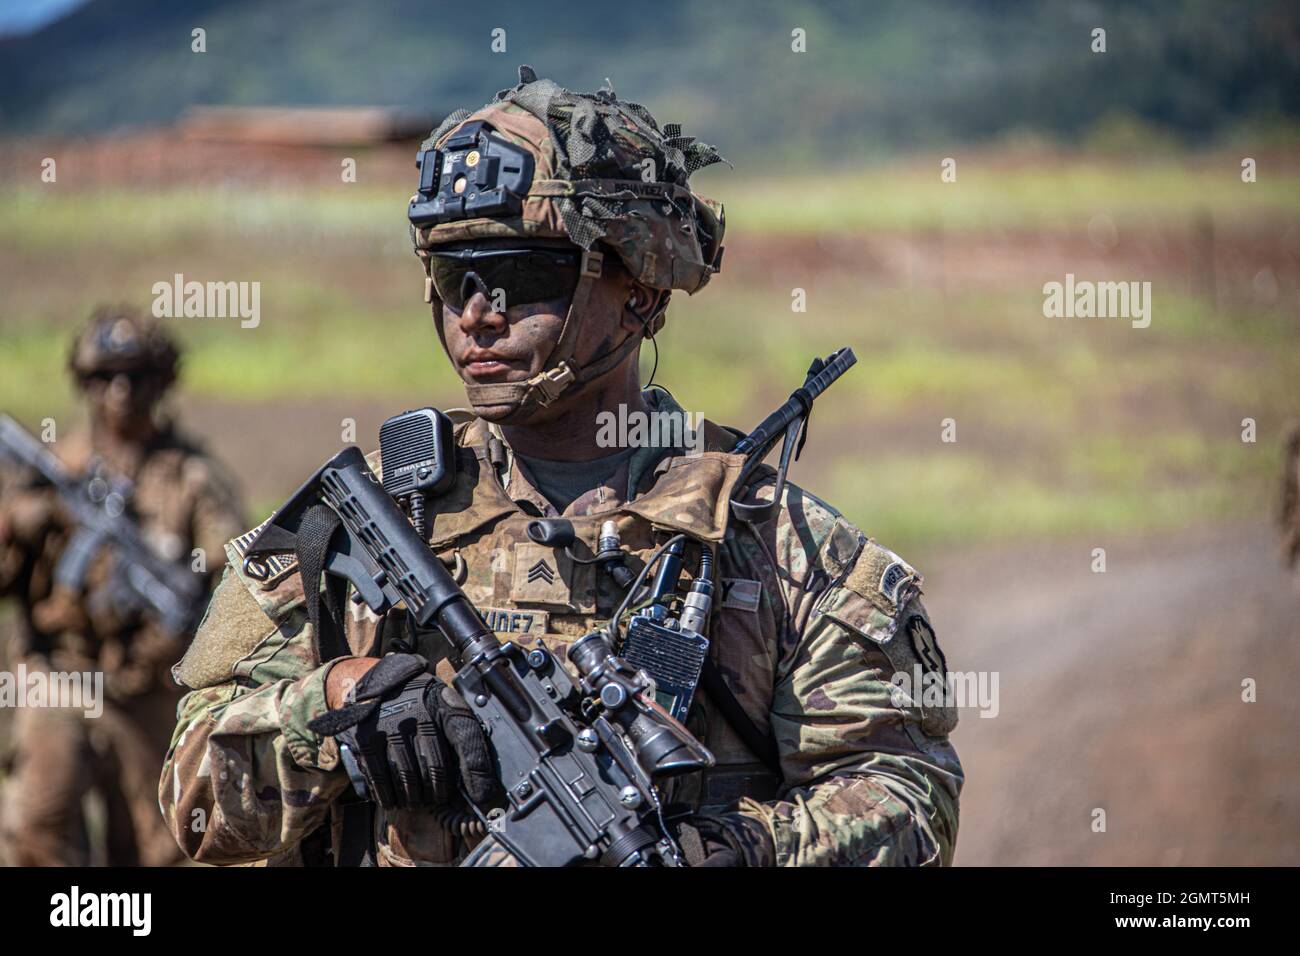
(123, 363)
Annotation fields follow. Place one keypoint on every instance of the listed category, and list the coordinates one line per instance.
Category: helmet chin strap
(561, 370)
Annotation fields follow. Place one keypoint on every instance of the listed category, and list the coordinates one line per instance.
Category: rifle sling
(357, 839)
(759, 743)
(319, 523)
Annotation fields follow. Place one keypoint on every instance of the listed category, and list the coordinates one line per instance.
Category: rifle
(790, 421)
(579, 760)
(672, 648)
(140, 580)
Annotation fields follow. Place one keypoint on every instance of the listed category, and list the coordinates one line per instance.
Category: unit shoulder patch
(883, 578)
(925, 646)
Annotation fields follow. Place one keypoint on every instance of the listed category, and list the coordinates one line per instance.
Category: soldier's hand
(343, 677)
(705, 843)
(27, 514)
(61, 611)
(405, 736)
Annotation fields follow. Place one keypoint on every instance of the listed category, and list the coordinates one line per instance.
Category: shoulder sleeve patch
(884, 579)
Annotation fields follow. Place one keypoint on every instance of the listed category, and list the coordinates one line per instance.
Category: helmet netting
(585, 148)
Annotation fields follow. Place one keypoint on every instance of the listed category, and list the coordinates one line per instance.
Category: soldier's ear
(643, 305)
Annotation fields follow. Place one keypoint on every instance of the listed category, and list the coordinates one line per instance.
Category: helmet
(121, 338)
(541, 162)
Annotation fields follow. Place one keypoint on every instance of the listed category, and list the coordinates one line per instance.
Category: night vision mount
(477, 173)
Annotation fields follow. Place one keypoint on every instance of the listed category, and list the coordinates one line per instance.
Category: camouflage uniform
(184, 501)
(812, 622)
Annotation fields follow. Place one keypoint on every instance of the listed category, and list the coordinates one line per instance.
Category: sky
(24, 16)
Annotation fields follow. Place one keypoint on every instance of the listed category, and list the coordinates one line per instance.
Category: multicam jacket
(811, 621)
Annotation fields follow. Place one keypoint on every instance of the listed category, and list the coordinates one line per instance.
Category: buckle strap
(549, 385)
(592, 263)
(545, 387)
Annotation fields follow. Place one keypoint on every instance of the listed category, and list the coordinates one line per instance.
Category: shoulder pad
(720, 437)
(233, 625)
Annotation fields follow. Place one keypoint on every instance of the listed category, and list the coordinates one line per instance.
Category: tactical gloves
(724, 839)
(704, 842)
(405, 737)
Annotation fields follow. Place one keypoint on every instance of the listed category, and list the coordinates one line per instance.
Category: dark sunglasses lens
(542, 278)
(136, 378)
(449, 279)
(522, 278)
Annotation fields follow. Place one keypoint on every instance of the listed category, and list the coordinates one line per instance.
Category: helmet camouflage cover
(543, 163)
(121, 338)
(603, 171)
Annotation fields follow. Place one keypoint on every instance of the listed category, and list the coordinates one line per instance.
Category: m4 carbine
(141, 581)
(579, 760)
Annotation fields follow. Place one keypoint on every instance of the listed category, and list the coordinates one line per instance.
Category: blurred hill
(876, 78)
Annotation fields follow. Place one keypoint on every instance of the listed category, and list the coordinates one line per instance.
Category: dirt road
(1122, 691)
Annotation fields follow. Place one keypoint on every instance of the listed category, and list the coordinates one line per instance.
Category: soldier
(820, 759)
(123, 363)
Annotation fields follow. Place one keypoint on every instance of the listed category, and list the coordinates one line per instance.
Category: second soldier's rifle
(140, 581)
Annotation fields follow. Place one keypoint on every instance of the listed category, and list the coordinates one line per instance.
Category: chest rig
(530, 583)
(512, 574)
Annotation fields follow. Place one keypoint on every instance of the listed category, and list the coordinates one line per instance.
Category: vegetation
(1062, 425)
(875, 77)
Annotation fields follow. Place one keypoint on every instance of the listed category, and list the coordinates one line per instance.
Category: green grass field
(1063, 426)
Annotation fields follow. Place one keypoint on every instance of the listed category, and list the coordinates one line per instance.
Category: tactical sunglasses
(524, 275)
(137, 377)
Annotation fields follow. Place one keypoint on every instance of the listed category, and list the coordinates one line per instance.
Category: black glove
(706, 843)
(406, 734)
